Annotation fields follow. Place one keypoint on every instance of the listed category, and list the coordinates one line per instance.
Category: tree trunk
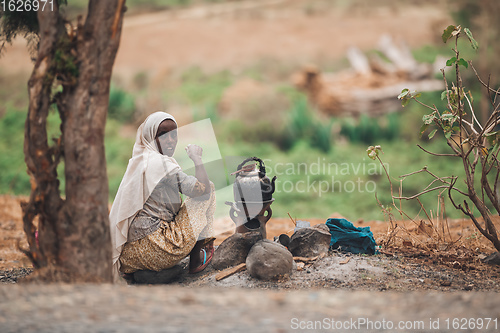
(73, 234)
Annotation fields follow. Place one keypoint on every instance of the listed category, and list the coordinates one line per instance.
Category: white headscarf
(145, 169)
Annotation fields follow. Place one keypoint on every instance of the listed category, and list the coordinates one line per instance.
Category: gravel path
(121, 308)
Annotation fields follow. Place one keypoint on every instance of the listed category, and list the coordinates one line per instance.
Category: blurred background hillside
(236, 62)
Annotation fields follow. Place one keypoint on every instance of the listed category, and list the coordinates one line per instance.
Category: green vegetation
(121, 105)
(304, 126)
(198, 88)
(13, 177)
(474, 144)
(312, 183)
(321, 163)
(367, 130)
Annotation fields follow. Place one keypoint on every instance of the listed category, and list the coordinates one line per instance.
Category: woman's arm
(194, 153)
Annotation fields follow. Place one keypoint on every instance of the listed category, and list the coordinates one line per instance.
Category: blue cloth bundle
(350, 238)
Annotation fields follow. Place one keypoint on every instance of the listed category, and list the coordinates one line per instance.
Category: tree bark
(73, 234)
(45, 201)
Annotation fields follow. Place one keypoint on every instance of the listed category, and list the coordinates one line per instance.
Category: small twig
(423, 192)
(458, 152)
(306, 259)
(425, 105)
(430, 190)
(425, 211)
(387, 253)
(345, 261)
(489, 92)
(436, 154)
(230, 271)
(487, 86)
(414, 172)
(473, 114)
(446, 220)
(386, 173)
(294, 223)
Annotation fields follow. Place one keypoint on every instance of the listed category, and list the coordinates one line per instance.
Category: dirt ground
(106, 308)
(413, 262)
(403, 289)
(232, 36)
(417, 279)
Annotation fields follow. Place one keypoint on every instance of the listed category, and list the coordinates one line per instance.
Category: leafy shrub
(304, 125)
(201, 88)
(367, 130)
(209, 111)
(298, 124)
(13, 176)
(121, 105)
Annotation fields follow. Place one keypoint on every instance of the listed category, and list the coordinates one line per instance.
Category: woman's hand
(194, 152)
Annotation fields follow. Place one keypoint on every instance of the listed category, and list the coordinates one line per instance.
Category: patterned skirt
(174, 240)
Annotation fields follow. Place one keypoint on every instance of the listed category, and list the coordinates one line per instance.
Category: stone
(269, 260)
(492, 259)
(162, 277)
(234, 250)
(310, 242)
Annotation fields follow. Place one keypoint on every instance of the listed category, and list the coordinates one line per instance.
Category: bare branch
(487, 86)
(491, 123)
(496, 180)
(424, 169)
(491, 195)
(425, 211)
(436, 154)
(425, 105)
(447, 90)
(458, 152)
(471, 125)
(427, 191)
(386, 173)
(440, 178)
(473, 114)
(490, 233)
